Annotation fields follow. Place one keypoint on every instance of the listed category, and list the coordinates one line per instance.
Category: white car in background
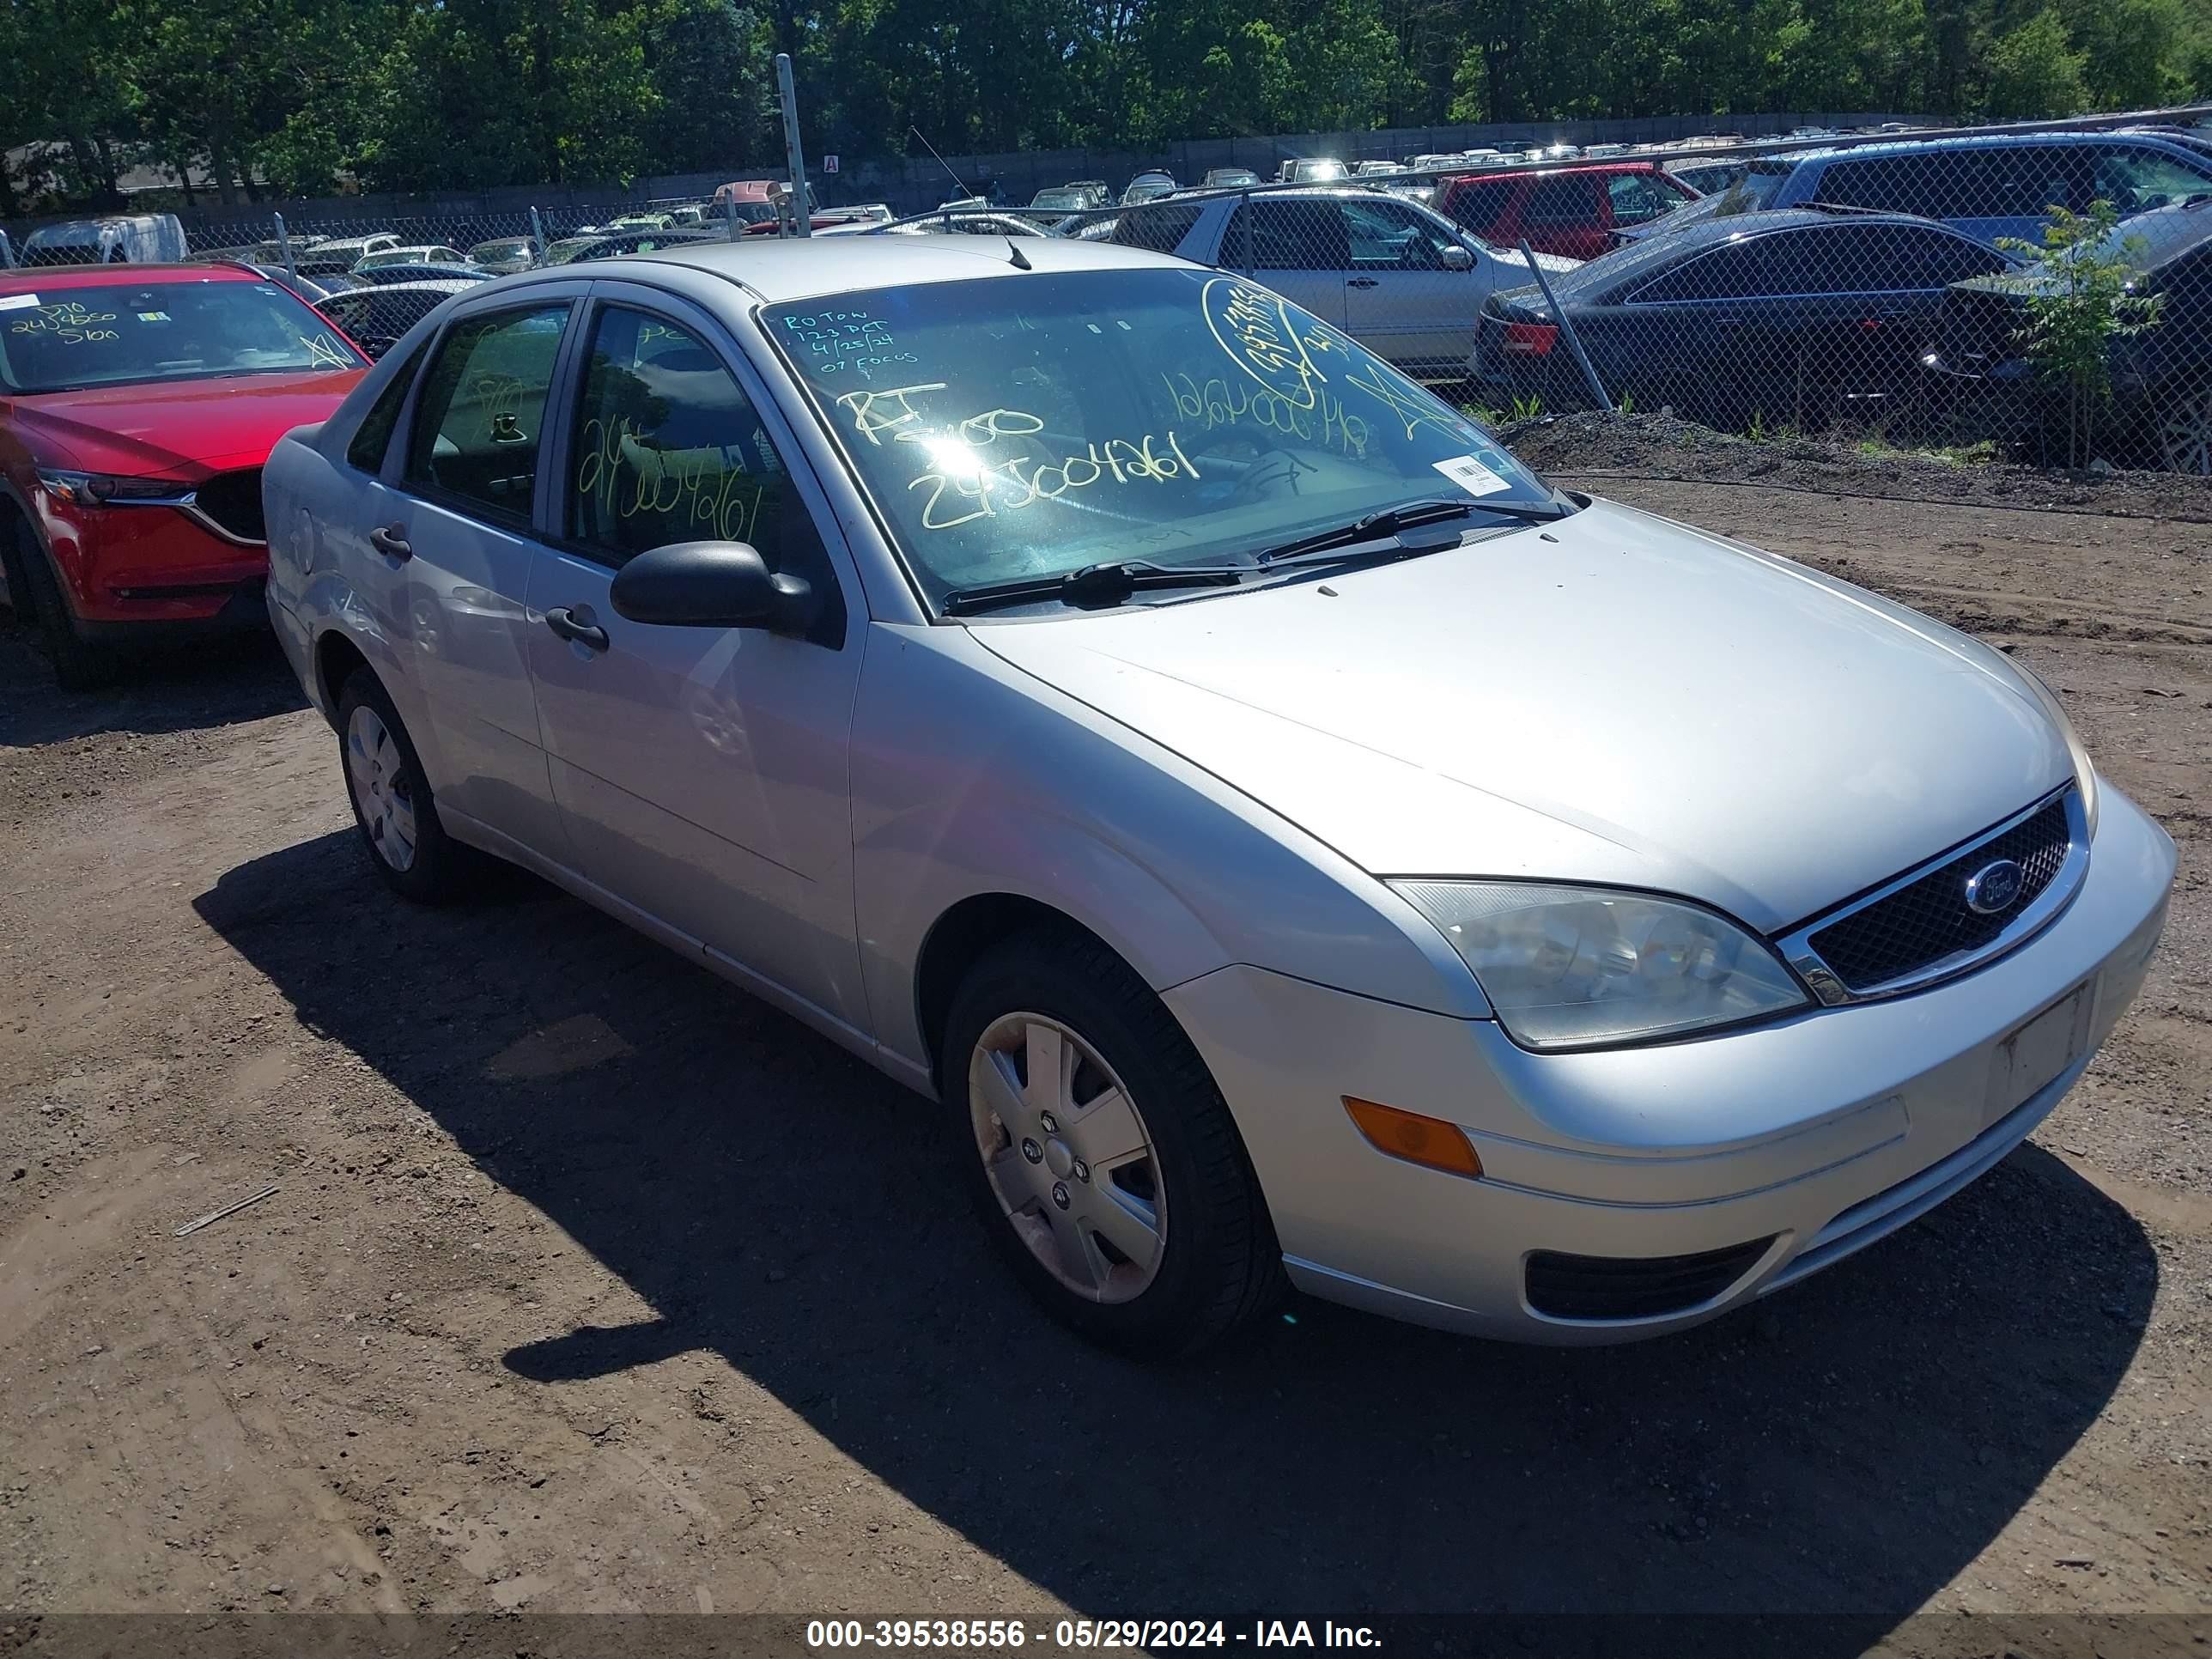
(421, 253)
(1399, 278)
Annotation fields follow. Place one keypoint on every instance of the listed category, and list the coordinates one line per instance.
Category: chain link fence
(2042, 293)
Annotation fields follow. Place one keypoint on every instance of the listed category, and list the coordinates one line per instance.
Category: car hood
(1618, 699)
(179, 430)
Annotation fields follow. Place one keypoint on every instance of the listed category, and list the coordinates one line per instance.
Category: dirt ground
(590, 1285)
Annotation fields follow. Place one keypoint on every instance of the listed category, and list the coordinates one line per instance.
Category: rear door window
(1267, 234)
(1557, 202)
(1479, 207)
(1900, 184)
(480, 419)
(1745, 270)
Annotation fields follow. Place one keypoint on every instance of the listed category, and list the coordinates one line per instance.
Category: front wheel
(1102, 1157)
(2184, 430)
(77, 666)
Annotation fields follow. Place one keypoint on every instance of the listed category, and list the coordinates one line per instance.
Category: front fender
(972, 777)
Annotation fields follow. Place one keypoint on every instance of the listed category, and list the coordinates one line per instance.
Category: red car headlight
(99, 489)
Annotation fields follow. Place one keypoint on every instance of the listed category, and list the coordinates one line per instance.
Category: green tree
(2080, 299)
(2034, 70)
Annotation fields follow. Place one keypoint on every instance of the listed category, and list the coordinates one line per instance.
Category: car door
(1871, 295)
(1408, 298)
(701, 772)
(1702, 336)
(1295, 245)
(462, 504)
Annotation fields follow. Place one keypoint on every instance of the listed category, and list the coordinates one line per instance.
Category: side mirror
(711, 584)
(1456, 258)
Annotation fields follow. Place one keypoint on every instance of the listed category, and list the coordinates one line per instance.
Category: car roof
(797, 269)
(1606, 164)
(1982, 141)
(420, 285)
(1727, 226)
(31, 278)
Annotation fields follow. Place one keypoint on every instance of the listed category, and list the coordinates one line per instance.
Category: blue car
(2001, 185)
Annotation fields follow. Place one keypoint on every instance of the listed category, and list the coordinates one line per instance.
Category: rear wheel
(392, 805)
(77, 666)
(1102, 1157)
(2184, 420)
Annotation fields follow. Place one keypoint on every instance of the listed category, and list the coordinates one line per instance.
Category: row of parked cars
(1893, 279)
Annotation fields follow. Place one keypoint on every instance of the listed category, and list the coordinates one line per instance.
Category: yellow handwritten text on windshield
(965, 459)
(1153, 459)
(1254, 329)
(68, 323)
(1217, 404)
(1408, 402)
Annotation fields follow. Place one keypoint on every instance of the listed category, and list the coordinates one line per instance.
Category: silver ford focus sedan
(1289, 841)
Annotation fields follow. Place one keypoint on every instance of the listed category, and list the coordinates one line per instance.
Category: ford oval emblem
(1993, 888)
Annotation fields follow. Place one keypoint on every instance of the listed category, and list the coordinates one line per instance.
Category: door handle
(562, 621)
(390, 542)
(1362, 282)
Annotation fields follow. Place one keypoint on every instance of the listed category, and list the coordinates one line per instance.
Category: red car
(137, 404)
(1570, 210)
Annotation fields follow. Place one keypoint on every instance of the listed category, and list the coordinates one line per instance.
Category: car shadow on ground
(160, 688)
(1845, 1448)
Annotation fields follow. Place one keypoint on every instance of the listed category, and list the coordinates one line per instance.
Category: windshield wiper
(1395, 521)
(1093, 585)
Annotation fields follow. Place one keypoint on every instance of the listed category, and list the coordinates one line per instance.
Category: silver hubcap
(1068, 1157)
(2184, 433)
(380, 788)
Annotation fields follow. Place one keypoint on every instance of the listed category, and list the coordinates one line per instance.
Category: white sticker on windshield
(19, 302)
(1471, 476)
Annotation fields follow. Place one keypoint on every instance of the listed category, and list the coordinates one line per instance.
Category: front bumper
(155, 568)
(1812, 1136)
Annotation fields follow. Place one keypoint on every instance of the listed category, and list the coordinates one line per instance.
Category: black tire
(77, 666)
(429, 871)
(2181, 428)
(1219, 1266)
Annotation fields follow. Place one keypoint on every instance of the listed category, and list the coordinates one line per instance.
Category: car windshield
(1033, 426)
(1062, 199)
(121, 334)
(2152, 239)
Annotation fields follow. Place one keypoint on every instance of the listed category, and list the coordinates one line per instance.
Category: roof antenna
(1021, 259)
(957, 183)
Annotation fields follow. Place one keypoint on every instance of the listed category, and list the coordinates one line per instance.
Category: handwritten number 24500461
(1150, 459)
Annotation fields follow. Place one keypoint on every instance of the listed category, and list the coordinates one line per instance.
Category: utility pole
(802, 207)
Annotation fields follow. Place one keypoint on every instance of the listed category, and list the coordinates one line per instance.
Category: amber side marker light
(1427, 1142)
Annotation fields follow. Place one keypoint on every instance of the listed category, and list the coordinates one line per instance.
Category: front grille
(1926, 921)
(232, 499)
(1634, 1287)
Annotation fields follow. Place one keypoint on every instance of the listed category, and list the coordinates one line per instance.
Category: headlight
(2084, 773)
(98, 488)
(1583, 966)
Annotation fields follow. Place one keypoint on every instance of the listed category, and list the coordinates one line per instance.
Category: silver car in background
(1399, 277)
(1288, 839)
